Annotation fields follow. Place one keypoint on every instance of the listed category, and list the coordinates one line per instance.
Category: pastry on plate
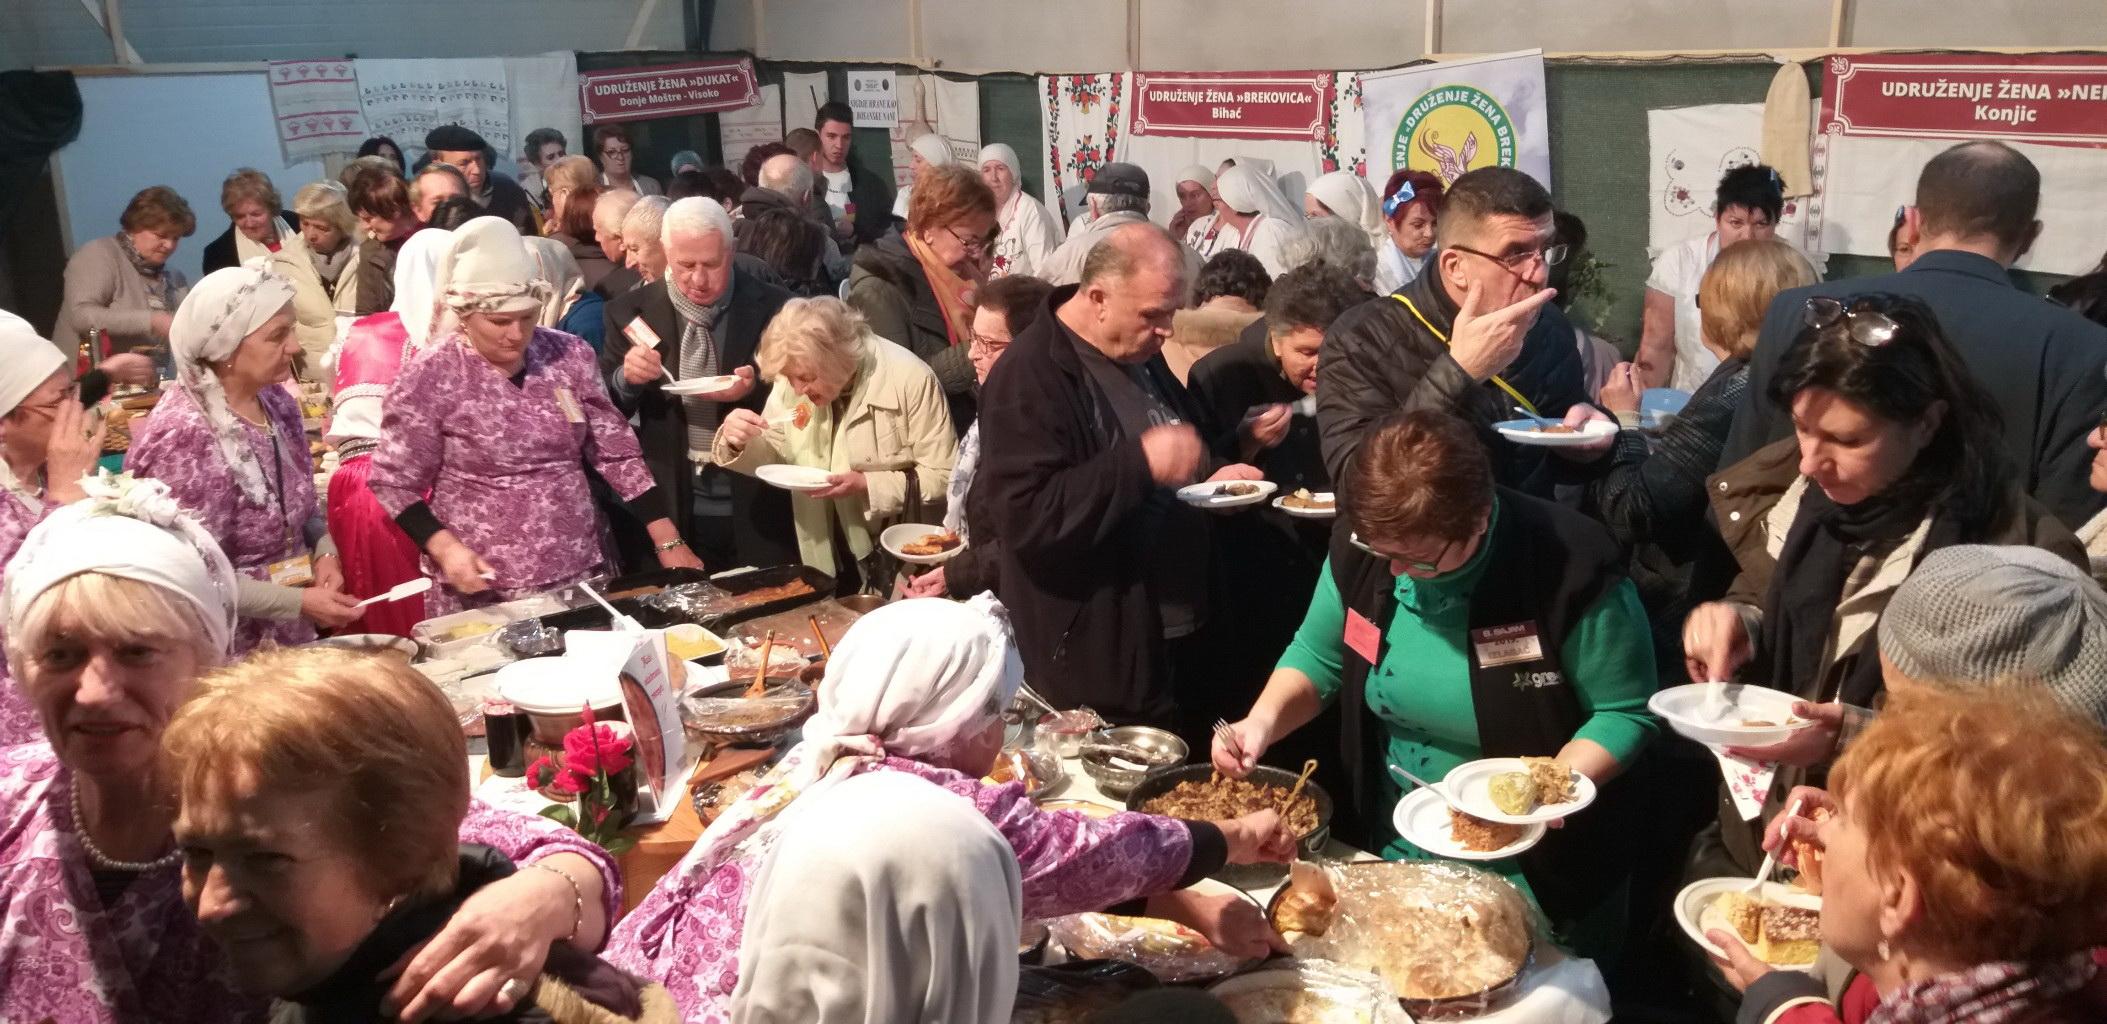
(1554, 781)
(931, 544)
(1513, 792)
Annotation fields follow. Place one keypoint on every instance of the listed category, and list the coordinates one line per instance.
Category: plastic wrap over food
(690, 602)
(742, 714)
(1170, 951)
(1310, 992)
(742, 657)
(1076, 993)
(1451, 939)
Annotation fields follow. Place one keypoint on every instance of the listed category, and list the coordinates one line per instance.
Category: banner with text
(2056, 100)
(1288, 106)
(1459, 116)
(667, 90)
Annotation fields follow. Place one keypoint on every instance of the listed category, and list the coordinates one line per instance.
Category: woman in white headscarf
(47, 443)
(1195, 187)
(1029, 234)
(114, 606)
(1349, 197)
(377, 556)
(1254, 216)
(926, 151)
(569, 307)
(487, 433)
(915, 689)
(922, 912)
(229, 443)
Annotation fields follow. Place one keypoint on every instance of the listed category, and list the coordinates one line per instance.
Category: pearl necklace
(107, 862)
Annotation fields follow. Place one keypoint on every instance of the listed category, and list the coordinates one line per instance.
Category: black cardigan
(220, 253)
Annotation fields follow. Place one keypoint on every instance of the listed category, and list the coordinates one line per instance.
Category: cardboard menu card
(651, 683)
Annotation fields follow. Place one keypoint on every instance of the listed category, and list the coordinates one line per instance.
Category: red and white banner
(2056, 100)
(667, 90)
(316, 105)
(1291, 106)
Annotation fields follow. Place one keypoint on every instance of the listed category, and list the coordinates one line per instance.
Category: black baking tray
(822, 588)
(592, 616)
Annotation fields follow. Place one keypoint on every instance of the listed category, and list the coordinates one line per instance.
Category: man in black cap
(498, 195)
(1119, 196)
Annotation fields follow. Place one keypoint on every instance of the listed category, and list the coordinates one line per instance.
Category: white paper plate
(1423, 820)
(1526, 432)
(1310, 513)
(1693, 910)
(1470, 785)
(1207, 495)
(1689, 711)
(701, 385)
(792, 478)
(898, 536)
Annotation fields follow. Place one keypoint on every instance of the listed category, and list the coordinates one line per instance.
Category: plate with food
(920, 543)
(701, 385)
(690, 642)
(1085, 807)
(1197, 792)
(1519, 790)
(1425, 821)
(1310, 992)
(1552, 434)
(1450, 939)
(1728, 714)
(1304, 503)
(1780, 924)
(1226, 493)
(1042, 774)
(794, 478)
(1172, 952)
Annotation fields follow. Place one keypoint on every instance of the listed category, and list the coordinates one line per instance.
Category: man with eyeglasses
(1477, 337)
(1974, 217)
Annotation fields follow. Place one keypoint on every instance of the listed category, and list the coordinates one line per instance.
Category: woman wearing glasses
(1895, 455)
(1460, 620)
(915, 286)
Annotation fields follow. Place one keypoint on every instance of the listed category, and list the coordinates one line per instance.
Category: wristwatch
(671, 544)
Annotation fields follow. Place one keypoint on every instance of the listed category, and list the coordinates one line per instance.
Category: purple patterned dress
(686, 932)
(66, 957)
(18, 718)
(502, 465)
(176, 446)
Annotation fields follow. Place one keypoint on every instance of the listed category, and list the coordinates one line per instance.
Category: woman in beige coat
(865, 411)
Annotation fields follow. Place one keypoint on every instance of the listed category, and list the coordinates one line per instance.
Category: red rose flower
(601, 746)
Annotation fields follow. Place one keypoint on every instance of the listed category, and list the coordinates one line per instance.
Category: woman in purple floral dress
(228, 442)
(114, 606)
(488, 431)
(916, 688)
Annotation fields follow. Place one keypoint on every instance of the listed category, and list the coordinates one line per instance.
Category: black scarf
(1825, 543)
(156, 274)
(354, 992)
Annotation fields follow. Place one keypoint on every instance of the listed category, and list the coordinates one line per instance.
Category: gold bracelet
(577, 897)
(671, 544)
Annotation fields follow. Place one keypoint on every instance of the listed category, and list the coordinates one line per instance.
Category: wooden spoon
(825, 650)
(760, 683)
(1308, 767)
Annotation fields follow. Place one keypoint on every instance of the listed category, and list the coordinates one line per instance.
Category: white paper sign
(874, 97)
(741, 130)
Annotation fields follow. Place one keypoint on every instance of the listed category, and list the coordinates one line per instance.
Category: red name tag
(1362, 637)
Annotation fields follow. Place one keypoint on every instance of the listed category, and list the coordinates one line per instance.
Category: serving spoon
(1405, 776)
(399, 592)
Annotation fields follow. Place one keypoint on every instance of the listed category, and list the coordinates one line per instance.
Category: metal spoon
(1405, 776)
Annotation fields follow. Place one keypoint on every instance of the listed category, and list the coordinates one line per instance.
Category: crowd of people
(1883, 497)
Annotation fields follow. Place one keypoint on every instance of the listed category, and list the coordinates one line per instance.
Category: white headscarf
(27, 360)
(912, 679)
(1002, 151)
(1196, 174)
(225, 307)
(417, 283)
(554, 264)
(132, 529)
(485, 269)
(1350, 198)
(920, 918)
(932, 148)
(1246, 188)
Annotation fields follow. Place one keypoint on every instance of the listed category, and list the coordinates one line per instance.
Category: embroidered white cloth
(404, 99)
(316, 105)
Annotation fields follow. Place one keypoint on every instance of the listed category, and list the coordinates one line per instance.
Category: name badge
(572, 412)
(1362, 637)
(293, 572)
(1507, 645)
(640, 333)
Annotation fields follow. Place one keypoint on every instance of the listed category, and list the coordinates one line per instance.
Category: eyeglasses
(973, 246)
(611, 151)
(1868, 327)
(987, 346)
(1416, 566)
(1551, 255)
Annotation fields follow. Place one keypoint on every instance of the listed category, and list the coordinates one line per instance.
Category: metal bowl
(750, 735)
(861, 604)
(1160, 749)
(1243, 876)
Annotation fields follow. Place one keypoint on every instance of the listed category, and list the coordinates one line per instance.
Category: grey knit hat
(1973, 614)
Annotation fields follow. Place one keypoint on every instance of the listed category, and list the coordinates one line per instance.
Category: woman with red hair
(1411, 202)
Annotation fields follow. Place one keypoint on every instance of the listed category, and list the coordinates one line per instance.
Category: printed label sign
(666, 90)
(1287, 106)
(2058, 100)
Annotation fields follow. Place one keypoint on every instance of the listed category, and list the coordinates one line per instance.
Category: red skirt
(377, 555)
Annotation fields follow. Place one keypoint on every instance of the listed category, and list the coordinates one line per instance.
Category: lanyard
(1496, 379)
(278, 489)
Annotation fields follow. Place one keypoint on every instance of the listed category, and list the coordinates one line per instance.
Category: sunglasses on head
(1868, 327)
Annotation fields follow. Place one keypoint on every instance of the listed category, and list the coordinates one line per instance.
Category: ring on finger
(511, 990)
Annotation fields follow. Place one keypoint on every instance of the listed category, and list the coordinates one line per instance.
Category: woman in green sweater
(1465, 621)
